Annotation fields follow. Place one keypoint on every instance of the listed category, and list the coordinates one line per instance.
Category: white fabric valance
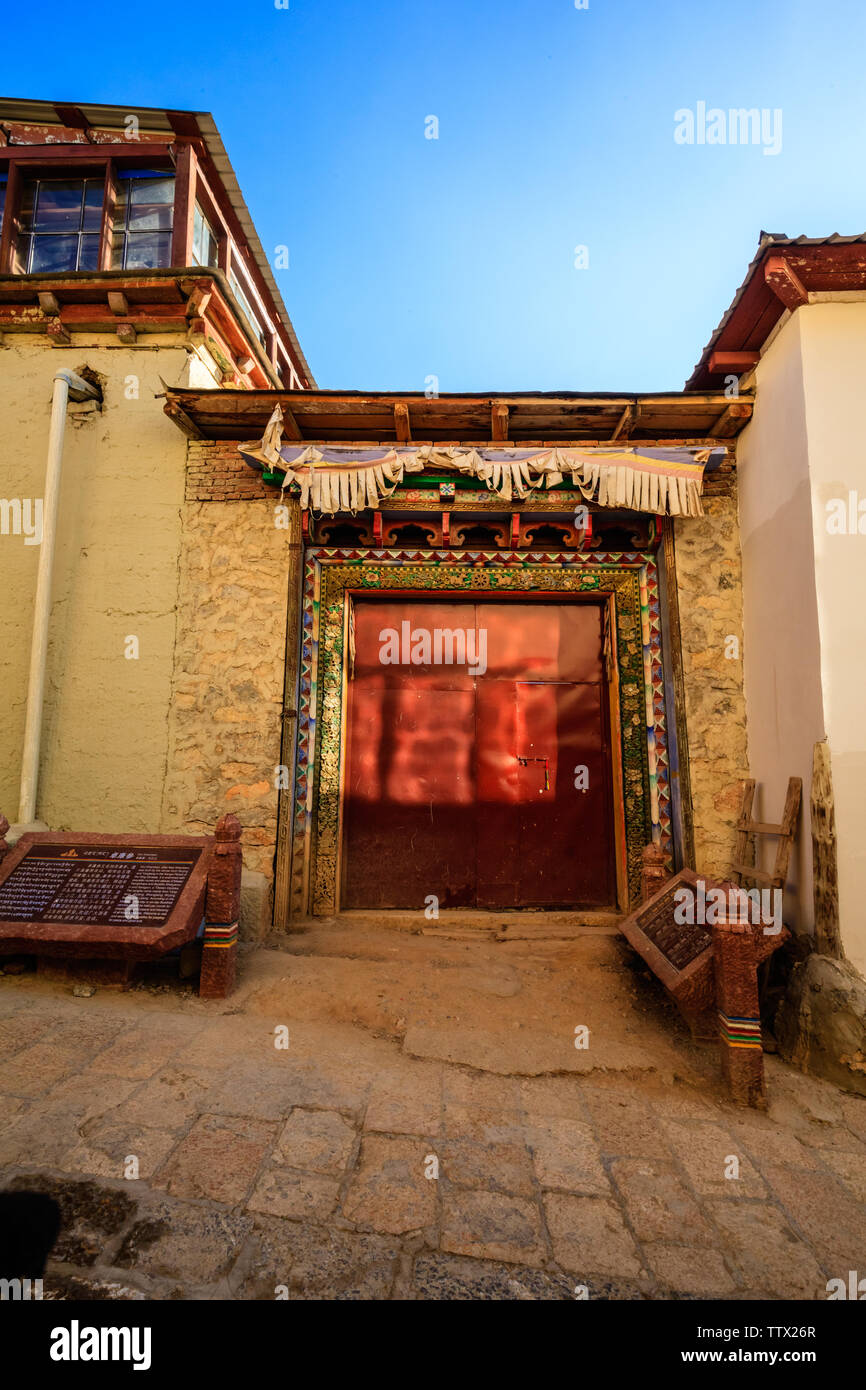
(336, 479)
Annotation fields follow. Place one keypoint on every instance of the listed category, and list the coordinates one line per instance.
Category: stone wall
(709, 580)
(227, 693)
(225, 717)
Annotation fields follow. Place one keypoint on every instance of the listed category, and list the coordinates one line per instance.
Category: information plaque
(96, 884)
(119, 895)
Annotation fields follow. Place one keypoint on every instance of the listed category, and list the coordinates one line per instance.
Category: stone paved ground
(310, 1169)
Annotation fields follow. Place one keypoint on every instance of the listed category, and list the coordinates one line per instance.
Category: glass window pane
(197, 236)
(151, 190)
(88, 254)
(22, 256)
(58, 205)
(93, 195)
(150, 217)
(147, 250)
(247, 308)
(28, 198)
(204, 243)
(54, 253)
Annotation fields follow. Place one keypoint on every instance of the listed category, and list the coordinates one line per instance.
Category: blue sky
(455, 257)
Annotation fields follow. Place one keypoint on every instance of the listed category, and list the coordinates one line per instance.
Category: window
(60, 222)
(143, 219)
(254, 321)
(205, 247)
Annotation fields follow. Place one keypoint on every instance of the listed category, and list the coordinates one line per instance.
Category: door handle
(524, 762)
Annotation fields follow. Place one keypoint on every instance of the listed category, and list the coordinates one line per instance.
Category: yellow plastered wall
(105, 725)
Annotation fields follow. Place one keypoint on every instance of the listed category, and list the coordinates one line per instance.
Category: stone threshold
(476, 924)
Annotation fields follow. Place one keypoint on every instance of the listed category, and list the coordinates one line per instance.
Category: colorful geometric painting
(628, 578)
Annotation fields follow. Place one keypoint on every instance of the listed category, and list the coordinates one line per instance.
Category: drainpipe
(66, 384)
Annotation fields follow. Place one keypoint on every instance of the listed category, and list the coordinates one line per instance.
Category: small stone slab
(679, 954)
(673, 951)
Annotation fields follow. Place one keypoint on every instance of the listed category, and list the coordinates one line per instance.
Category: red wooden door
(484, 781)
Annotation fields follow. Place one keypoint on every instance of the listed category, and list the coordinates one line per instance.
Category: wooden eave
(822, 265)
(39, 134)
(498, 421)
(157, 301)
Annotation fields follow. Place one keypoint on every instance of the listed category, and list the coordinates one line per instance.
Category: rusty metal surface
(460, 784)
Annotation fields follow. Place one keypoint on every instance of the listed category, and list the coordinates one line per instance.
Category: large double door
(478, 766)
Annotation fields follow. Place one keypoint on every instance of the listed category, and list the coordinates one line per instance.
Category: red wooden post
(222, 909)
(184, 207)
(736, 962)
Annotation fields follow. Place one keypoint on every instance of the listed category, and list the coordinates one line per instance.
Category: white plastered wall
(834, 373)
(804, 618)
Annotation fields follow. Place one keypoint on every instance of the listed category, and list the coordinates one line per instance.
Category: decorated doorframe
(627, 581)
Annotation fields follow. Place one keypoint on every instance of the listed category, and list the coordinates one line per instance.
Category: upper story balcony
(133, 222)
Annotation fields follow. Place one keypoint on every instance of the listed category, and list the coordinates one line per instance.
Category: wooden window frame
(79, 162)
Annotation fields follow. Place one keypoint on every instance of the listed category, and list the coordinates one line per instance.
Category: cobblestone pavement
(429, 1131)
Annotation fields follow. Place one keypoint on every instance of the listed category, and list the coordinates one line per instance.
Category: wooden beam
(71, 116)
(499, 423)
(182, 420)
(57, 333)
(402, 424)
(118, 303)
(126, 333)
(106, 229)
(785, 283)
(749, 871)
(291, 428)
(134, 152)
(727, 422)
(627, 418)
(49, 304)
(198, 301)
(9, 234)
(733, 363)
(196, 330)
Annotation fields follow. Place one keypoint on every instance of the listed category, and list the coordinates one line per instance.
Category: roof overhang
(500, 419)
(783, 275)
(201, 306)
(87, 117)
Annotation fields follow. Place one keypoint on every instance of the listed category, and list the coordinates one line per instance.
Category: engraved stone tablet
(84, 884)
(113, 895)
(679, 952)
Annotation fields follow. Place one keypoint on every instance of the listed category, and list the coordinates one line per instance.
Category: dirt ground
(381, 1114)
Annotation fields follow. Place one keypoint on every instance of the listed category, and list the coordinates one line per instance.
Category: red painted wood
(409, 809)
(461, 786)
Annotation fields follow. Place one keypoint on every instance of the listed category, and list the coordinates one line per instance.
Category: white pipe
(66, 383)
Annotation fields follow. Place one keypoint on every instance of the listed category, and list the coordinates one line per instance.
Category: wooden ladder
(746, 828)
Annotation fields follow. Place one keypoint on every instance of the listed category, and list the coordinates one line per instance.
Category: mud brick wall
(227, 689)
(709, 580)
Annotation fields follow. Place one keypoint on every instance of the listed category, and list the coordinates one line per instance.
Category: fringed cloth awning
(337, 479)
